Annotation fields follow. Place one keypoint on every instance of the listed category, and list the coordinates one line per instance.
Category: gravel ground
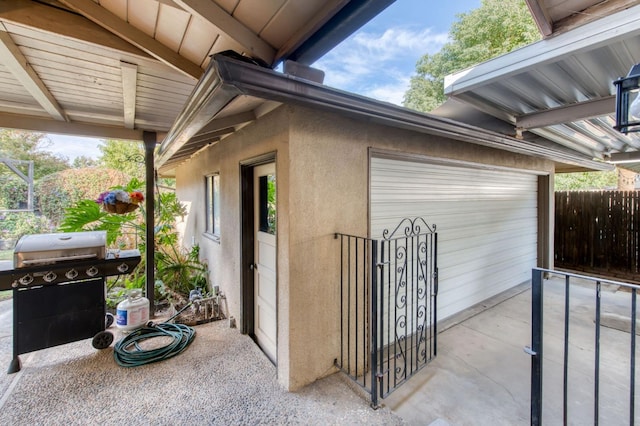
(221, 379)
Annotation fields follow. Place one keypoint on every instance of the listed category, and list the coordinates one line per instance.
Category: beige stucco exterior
(322, 167)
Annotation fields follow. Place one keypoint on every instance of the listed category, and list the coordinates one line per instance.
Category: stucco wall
(328, 194)
(269, 135)
(322, 169)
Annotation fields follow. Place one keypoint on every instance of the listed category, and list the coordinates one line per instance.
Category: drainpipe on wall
(149, 139)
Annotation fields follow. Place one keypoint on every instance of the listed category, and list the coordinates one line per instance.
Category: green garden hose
(128, 353)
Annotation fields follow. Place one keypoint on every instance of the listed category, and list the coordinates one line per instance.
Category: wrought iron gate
(389, 290)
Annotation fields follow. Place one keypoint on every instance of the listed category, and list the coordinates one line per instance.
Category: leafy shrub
(13, 192)
(15, 225)
(56, 192)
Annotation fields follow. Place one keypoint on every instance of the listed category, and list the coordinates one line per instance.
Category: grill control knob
(93, 271)
(71, 274)
(49, 276)
(123, 267)
(26, 280)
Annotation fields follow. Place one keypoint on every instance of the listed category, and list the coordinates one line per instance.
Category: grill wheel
(102, 340)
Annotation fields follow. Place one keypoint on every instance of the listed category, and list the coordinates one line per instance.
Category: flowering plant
(120, 201)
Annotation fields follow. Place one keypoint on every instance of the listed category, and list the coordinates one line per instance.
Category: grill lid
(40, 249)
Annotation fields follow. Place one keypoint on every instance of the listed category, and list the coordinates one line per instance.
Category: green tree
(496, 27)
(19, 145)
(126, 156)
(586, 181)
(83, 161)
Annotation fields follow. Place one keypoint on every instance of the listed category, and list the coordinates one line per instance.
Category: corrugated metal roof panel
(564, 71)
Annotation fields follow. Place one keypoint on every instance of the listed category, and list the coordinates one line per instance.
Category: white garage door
(486, 221)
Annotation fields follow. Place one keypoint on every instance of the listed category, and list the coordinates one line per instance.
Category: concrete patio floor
(481, 376)
(222, 378)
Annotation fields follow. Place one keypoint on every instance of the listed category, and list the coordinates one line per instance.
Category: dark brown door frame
(247, 240)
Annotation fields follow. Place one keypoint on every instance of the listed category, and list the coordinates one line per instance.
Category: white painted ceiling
(116, 68)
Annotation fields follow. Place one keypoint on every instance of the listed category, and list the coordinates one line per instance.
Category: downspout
(149, 139)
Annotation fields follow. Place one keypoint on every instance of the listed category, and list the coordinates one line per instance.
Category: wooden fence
(598, 232)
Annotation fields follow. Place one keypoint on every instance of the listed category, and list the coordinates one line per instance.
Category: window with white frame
(212, 183)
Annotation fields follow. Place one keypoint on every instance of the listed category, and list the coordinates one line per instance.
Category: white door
(265, 300)
(486, 221)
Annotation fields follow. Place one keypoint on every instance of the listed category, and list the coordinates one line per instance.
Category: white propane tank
(133, 312)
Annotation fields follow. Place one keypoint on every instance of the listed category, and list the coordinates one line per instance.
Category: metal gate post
(374, 323)
(536, 347)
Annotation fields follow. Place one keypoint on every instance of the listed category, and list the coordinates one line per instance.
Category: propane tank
(133, 312)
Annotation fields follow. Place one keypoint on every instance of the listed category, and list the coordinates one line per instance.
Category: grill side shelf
(68, 271)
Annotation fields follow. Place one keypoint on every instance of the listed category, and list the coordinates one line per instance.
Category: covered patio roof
(559, 89)
(117, 68)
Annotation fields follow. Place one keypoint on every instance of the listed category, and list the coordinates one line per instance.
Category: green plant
(13, 192)
(177, 270)
(15, 225)
(181, 270)
(56, 192)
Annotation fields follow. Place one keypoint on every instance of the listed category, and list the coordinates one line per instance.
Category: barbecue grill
(58, 283)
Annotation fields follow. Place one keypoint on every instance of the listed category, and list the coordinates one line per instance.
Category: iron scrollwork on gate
(407, 289)
(388, 304)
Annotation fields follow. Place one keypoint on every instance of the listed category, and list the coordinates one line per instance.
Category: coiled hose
(128, 353)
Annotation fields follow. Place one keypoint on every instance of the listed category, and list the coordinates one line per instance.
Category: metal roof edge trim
(226, 78)
(208, 98)
(589, 36)
(268, 84)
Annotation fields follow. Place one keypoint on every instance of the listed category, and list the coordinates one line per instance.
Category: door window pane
(268, 203)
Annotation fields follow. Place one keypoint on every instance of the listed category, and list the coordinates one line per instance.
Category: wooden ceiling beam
(44, 125)
(122, 29)
(18, 65)
(54, 20)
(217, 16)
(129, 87)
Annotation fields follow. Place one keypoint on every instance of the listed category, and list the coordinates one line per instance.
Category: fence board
(598, 232)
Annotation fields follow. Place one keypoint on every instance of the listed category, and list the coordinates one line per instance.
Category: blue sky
(377, 61)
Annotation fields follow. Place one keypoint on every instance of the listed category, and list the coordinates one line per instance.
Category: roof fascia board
(345, 22)
(614, 27)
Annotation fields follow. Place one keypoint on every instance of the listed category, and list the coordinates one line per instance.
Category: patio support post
(150, 139)
(536, 347)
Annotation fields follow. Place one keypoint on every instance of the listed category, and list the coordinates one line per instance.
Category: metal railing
(388, 306)
(591, 360)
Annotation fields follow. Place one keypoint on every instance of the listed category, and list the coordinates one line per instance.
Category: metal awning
(559, 89)
(239, 91)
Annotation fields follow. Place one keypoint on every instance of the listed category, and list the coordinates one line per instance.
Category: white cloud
(71, 147)
(393, 92)
(379, 65)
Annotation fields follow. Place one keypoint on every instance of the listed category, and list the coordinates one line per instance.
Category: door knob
(253, 266)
